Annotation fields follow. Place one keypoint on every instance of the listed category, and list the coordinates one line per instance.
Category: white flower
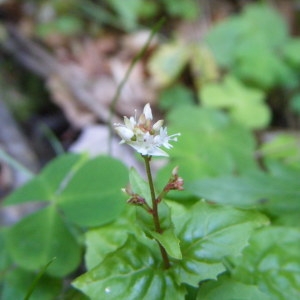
(144, 137)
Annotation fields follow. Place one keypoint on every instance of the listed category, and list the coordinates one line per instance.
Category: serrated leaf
(132, 272)
(208, 233)
(93, 196)
(48, 183)
(229, 289)
(272, 262)
(38, 238)
(169, 241)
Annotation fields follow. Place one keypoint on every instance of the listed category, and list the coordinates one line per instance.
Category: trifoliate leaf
(93, 196)
(50, 182)
(87, 191)
(40, 237)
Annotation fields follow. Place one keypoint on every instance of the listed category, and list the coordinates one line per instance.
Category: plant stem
(155, 211)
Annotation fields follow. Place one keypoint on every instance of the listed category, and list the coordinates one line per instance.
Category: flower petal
(124, 132)
(148, 112)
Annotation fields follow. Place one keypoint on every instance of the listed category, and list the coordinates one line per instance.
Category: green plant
(241, 63)
(169, 242)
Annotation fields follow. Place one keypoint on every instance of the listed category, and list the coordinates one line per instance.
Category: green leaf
(87, 191)
(257, 22)
(93, 196)
(5, 260)
(17, 281)
(139, 186)
(248, 45)
(243, 102)
(128, 11)
(40, 237)
(208, 233)
(277, 194)
(207, 146)
(295, 103)
(260, 65)
(167, 238)
(106, 239)
(169, 241)
(272, 262)
(67, 25)
(176, 95)
(284, 148)
(37, 280)
(291, 51)
(229, 289)
(46, 185)
(187, 9)
(145, 219)
(264, 20)
(167, 63)
(132, 272)
(222, 40)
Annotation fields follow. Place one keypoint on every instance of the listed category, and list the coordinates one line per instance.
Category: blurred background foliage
(239, 56)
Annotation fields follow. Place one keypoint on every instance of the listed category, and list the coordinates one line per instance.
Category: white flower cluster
(144, 137)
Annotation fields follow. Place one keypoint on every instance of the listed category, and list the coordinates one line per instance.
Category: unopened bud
(136, 200)
(175, 171)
